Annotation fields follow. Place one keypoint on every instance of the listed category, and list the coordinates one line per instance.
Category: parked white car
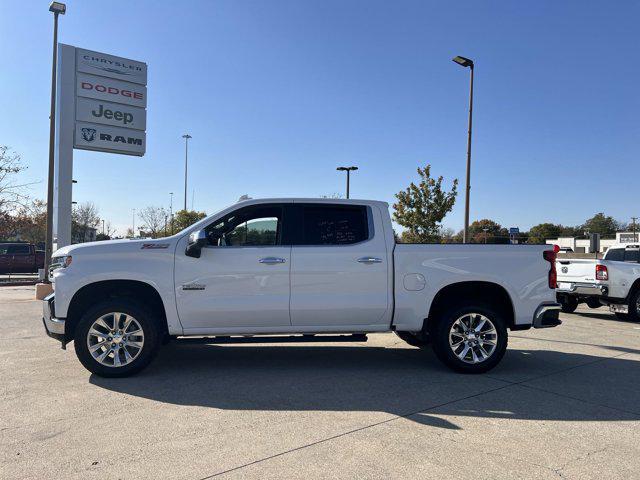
(296, 270)
(613, 281)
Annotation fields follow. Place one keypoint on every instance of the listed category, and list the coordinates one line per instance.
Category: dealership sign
(110, 103)
(101, 106)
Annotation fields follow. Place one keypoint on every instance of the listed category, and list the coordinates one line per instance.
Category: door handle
(370, 260)
(272, 260)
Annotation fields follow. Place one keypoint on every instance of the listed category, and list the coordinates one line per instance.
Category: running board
(358, 337)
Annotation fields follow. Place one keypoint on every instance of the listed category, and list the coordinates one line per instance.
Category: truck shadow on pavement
(406, 382)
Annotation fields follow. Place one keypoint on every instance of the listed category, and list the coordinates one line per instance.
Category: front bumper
(547, 316)
(588, 289)
(52, 325)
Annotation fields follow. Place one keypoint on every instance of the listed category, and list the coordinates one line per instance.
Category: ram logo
(565, 269)
(89, 134)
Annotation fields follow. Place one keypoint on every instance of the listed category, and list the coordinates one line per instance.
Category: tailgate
(576, 270)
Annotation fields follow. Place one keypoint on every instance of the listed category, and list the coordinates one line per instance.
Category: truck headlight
(60, 262)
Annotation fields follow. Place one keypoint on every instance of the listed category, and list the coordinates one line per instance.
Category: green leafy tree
(495, 233)
(602, 224)
(186, 218)
(422, 207)
(543, 231)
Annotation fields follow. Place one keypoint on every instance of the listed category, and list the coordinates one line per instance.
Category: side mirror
(197, 240)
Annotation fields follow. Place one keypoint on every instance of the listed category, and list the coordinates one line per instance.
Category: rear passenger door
(339, 275)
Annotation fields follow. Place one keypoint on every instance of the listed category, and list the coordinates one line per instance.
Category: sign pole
(64, 146)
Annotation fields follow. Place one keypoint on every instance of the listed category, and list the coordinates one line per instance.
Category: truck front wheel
(116, 338)
(471, 339)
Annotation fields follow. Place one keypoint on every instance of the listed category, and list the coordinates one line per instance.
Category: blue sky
(276, 94)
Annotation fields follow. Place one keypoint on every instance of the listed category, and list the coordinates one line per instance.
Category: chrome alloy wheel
(473, 338)
(115, 339)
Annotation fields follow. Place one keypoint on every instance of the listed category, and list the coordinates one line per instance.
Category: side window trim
(298, 219)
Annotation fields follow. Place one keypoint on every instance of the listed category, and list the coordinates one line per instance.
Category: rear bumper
(52, 325)
(547, 316)
(588, 289)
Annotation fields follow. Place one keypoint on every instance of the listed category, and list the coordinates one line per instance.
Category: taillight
(601, 272)
(550, 256)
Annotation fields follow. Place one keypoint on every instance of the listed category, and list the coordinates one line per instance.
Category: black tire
(568, 303)
(634, 306)
(419, 340)
(440, 338)
(145, 319)
(593, 302)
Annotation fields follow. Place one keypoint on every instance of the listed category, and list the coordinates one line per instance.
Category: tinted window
(333, 225)
(19, 249)
(632, 255)
(248, 227)
(616, 254)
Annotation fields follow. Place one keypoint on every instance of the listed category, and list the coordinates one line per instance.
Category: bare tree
(154, 220)
(84, 217)
(12, 193)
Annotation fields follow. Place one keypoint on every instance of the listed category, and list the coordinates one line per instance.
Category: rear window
(334, 225)
(632, 255)
(616, 254)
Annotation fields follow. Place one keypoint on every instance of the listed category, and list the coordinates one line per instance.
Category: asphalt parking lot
(564, 403)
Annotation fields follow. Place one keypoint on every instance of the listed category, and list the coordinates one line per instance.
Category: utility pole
(186, 137)
(133, 226)
(633, 226)
(103, 227)
(56, 8)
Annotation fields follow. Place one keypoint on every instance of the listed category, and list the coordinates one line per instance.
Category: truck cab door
(241, 280)
(339, 268)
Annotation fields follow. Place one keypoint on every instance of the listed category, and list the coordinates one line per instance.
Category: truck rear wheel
(116, 338)
(471, 339)
(593, 302)
(634, 306)
(568, 303)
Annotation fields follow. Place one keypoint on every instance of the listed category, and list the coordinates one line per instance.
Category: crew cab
(299, 270)
(612, 281)
(20, 257)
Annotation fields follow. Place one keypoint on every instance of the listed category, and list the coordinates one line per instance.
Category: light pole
(348, 170)
(171, 211)
(186, 137)
(485, 230)
(103, 227)
(465, 62)
(633, 223)
(133, 225)
(58, 9)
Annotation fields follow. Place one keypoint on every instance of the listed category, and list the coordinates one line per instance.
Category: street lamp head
(346, 169)
(186, 135)
(58, 7)
(464, 62)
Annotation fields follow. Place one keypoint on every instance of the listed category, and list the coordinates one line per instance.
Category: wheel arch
(489, 293)
(95, 292)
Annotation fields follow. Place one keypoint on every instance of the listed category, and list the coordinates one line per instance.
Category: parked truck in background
(296, 270)
(16, 257)
(612, 281)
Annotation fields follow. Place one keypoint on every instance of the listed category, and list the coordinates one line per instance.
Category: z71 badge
(154, 245)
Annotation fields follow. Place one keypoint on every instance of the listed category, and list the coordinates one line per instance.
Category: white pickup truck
(298, 270)
(613, 281)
